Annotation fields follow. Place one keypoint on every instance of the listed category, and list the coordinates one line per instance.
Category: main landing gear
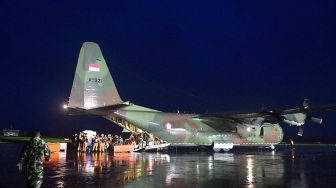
(218, 147)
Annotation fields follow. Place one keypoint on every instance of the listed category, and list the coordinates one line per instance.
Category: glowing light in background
(248, 129)
(168, 125)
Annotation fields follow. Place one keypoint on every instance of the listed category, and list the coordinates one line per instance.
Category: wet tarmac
(302, 167)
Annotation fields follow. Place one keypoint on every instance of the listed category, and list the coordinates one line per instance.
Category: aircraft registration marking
(98, 80)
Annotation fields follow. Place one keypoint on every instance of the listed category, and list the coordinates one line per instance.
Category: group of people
(98, 143)
(92, 142)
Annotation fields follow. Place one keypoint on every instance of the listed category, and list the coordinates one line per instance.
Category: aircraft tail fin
(93, 86)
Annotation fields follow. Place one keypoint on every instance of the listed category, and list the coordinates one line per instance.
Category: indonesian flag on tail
(94, 67)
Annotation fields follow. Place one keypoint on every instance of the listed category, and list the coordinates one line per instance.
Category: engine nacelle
(297, 119)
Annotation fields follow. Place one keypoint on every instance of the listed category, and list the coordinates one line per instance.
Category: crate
(123, 148)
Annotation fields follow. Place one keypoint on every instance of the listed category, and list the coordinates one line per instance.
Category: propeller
(306, 103)
(316, 120)
(310, 119)
(301, 128)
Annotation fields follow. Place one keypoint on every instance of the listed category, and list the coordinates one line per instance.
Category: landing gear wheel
(217, 150)
(222, 147)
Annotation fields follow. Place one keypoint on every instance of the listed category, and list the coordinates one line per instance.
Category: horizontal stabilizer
(101, 111)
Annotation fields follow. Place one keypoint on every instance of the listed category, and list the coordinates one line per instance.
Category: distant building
(10, 132)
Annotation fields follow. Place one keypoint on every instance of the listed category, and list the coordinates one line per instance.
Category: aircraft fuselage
(187, 129)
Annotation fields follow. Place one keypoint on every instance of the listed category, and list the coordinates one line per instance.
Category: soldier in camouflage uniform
(31, 157)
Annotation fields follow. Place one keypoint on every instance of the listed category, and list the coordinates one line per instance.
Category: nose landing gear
(271, 147)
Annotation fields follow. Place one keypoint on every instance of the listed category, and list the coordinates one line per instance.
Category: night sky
(191, 56)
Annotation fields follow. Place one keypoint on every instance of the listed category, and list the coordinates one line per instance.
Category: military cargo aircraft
(94, 92)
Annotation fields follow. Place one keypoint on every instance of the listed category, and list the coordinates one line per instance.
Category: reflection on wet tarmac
(100, 169)
(222, 169)
(300, 167)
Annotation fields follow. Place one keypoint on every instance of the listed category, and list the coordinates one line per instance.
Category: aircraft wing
(292, 116)
(267, 113)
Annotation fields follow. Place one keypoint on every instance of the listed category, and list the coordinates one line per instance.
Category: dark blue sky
(195, 56)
